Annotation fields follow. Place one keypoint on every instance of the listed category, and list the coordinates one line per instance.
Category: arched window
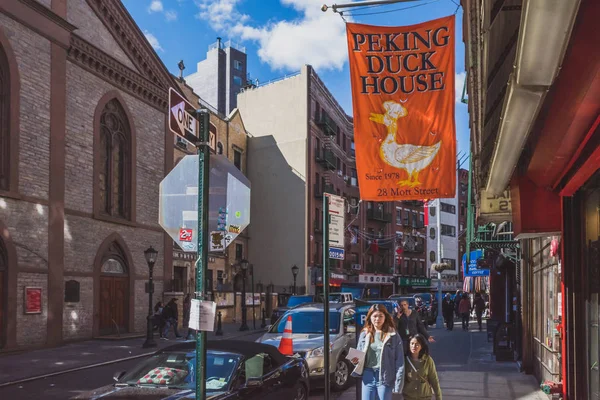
(115, 161)
(4, 122)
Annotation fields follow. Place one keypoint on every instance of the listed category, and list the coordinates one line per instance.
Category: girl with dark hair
(421, 381)
(383, 372)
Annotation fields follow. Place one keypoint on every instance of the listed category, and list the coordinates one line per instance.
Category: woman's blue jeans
(372, 388)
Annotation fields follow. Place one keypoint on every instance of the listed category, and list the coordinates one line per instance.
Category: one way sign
(181, 116)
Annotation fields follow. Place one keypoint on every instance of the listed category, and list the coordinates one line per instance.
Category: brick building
(83, 101)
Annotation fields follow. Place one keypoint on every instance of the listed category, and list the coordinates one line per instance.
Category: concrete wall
(205, 81)
(276, 116)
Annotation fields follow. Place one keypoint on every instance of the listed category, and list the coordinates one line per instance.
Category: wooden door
(114, 304)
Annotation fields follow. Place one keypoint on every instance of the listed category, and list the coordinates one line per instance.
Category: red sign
(185, 235)
(33, 300)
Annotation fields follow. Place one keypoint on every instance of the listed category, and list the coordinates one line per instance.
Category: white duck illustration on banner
(411, 158)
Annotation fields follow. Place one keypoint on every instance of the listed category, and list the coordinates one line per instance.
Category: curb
(90, 366)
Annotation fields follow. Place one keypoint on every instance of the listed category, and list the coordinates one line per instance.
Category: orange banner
(403, 102)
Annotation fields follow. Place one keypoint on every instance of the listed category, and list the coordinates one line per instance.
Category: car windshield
(172, 369)
(297, 300)
(309, 322)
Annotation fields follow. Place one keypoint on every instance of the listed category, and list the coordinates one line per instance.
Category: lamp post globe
(244, 268)
(295, 273)
(151, 255)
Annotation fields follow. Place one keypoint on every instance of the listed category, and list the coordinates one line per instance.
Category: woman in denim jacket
(383, 372)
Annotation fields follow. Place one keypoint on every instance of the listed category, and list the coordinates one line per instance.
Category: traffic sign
(336, 226)
(182, 121)
(228, 205)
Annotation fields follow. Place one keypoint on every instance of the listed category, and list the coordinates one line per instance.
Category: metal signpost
(184, 207)
(333, 242)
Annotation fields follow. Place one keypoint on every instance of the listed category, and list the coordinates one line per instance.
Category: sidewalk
(477, 375)
(37, 363)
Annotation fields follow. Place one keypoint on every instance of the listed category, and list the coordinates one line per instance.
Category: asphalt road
(63, 387)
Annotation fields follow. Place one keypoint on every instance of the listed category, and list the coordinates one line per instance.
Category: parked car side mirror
(118, 375)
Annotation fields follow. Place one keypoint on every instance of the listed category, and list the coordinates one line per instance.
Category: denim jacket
(391, 372)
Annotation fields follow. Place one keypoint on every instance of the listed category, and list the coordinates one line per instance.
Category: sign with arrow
(181, 117)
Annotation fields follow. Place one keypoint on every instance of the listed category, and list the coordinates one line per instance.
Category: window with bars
(449, 208)
(398, 216)
(115, 161)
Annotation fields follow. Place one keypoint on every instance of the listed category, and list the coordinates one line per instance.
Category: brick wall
(93, 30)
(33, 58)
(31, 328)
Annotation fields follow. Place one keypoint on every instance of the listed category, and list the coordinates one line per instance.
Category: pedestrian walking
(170, 315)
(448, 311)
(187, 305)
(464, 309)
(158, 321)
(479, 306)
(457, 298)
(421, 379)
(383, 372)
(409, 324)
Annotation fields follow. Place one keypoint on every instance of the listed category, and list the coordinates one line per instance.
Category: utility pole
(202, 262)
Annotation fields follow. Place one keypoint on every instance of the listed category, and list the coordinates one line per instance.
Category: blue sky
(282, 35)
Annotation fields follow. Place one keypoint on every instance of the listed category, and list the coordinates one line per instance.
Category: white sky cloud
(153, 41)
(155, 6)
(315, 38)
(170, 15)
(459, 83)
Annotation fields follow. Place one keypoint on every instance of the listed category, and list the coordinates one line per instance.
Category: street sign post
(333, 241)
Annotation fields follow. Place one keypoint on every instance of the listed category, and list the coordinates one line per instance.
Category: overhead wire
(390, 11)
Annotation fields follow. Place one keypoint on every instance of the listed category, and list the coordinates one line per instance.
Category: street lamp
(439, 268)
(151, 256)
(295, 273)
(244, 267)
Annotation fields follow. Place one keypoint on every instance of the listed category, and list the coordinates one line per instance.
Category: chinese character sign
(403, 102)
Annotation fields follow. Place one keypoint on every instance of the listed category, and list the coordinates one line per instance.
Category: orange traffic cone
(286, 345)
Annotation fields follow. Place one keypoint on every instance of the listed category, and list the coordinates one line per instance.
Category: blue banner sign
(471, 269)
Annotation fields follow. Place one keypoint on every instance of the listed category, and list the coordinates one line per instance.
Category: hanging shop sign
(471, 268)
(494, 209)
(403, 101)
(377, 279)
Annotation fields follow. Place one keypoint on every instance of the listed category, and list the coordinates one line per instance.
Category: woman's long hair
(388, 323)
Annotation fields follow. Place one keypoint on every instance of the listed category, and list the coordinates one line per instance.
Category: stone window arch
(114, 160)
(10, 88)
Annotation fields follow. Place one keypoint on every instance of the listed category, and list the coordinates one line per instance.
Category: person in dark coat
(479, 306)
(171, 315)
(409, 324)
(157, 319)
(448, 311)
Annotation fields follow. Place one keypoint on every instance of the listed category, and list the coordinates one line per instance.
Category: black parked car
(234, 370)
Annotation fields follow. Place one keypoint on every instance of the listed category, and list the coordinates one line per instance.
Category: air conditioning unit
(181, 142)
(340, 173)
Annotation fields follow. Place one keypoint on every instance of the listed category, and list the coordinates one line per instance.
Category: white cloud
(155, 6)
(315, 37)
(171, 15)
(153, 41)
(459, 83)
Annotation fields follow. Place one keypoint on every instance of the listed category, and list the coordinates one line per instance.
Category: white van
(338, 297)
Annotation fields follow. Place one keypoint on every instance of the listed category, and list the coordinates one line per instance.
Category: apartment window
(337, 136)
(432, 211)
(237, 80)
(317, 218)
(237, 64)
(344, 169)
(398, 216)
(114, 172)
(406, 217)
(405, 268)
(448, 230)
(237, 159)
(344, 140)
(432, 256)
(219, 148)
(432, 233)
(353, 177)
(414, 267)
(415, 219)
(462, 209)
(421, 220)
(317, 111)
(317, 253)
(317, 146)
(239, 251)
(449, 208)
(450, 261)
(422, 268)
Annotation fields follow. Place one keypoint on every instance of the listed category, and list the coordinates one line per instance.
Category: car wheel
(341, 376)
(300, 392)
